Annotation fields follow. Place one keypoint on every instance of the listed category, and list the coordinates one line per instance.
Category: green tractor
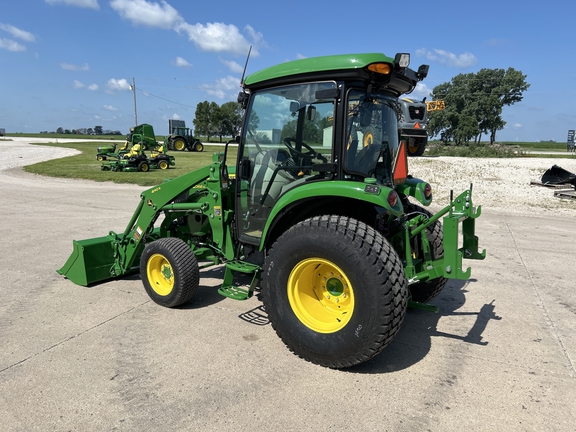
(181, 139)
(333, 234)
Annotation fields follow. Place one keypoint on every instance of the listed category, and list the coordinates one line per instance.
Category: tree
(206, 119)
(231, 113)
(474, 104)
(98, 130)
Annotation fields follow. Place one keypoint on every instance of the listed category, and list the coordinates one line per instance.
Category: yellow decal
(137, 233)
(156, 189)
(217, 210)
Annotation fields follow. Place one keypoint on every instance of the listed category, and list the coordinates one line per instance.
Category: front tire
(334, 290)
(179, 144)
(198, 146)
(163, 164)
(169, 271)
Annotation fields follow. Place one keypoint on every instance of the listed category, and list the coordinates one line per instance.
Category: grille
(416, 113)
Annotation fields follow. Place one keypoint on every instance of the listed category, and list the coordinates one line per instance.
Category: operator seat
(264, 166)
(134, 151)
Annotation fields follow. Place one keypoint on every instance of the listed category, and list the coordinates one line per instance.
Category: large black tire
(426, 291)
(334, 290)
(179, 144)
(416, 146)
(198, 146)
(169, 271)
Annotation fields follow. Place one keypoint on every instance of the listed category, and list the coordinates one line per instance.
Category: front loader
(332, 232)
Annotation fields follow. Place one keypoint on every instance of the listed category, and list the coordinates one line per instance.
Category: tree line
(474, 104)
(84, 131)
(213, 120)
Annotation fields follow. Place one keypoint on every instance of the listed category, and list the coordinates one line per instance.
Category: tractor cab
(316, 134)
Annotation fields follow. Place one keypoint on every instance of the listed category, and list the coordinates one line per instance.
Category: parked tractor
(181, 138)
(413, 123)
(332, 234)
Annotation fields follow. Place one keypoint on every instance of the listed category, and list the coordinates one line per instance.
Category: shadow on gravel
(415, 337)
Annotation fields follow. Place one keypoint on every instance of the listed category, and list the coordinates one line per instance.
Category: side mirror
(311, 113)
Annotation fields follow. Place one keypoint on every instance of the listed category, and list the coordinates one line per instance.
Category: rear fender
(374, 194)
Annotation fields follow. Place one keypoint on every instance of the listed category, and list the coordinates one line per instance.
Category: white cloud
(11, 45)
(447, 58)
(151, 14)
(121, 84)
(78, 85)
(181, 62)
(300, 56)
(71, 67)
(221, 87)
(175, 116)
(17, 33)
(232, 65)
(212, 37)
(110, 108)
(217, 37)
(517, 125)
(92, 4)
(93, 87)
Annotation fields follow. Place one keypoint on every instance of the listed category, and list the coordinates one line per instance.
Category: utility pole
(133, 88)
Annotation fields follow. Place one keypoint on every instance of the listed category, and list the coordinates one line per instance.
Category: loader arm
(103, 258)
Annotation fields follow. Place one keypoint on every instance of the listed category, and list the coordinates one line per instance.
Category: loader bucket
(91, 261)
(557, 176)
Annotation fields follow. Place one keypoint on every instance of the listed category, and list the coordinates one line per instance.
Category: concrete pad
(499, 354)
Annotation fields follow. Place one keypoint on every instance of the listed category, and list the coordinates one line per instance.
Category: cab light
(392, 198)
(427, 191)
(381, 68)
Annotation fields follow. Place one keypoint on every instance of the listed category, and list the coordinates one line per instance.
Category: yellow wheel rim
(144, 167)
(320, 295)
(160, 274)
(368, 139)
(179, 145)
(163, 164)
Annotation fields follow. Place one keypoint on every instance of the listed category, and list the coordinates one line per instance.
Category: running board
(236, 291)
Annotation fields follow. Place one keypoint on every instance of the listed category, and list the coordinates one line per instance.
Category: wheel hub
(320, 295)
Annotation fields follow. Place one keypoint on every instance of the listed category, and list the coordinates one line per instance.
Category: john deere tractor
(333, 234)
(181, 137)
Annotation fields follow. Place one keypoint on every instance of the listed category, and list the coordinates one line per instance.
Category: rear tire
(143, 166)
(169, 271)
(334, 290)
(425, 291)
(163, 164)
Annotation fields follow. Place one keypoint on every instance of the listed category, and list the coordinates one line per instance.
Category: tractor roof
(335, 67)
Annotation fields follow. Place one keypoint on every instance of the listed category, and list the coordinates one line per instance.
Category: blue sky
(69, 63)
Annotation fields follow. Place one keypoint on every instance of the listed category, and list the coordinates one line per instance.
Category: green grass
(85, 165)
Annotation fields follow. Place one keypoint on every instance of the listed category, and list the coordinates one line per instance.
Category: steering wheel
(311, 154)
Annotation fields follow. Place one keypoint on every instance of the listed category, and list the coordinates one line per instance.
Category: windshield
(372, 134)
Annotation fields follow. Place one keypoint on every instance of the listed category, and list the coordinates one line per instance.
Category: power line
(160, 97)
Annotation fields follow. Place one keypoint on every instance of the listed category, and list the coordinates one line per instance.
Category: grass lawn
(85, 165)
